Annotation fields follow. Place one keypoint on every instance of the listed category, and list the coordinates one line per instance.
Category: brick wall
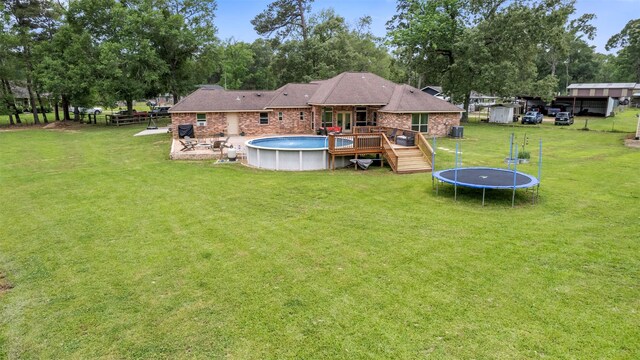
(335, 109)
(248, 122)
(216, 123)
(439, 123)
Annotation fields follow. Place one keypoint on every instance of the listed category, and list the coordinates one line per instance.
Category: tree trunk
(65, 108)
(303, 22)
(130, 107)
(32, 101)
(76, 113)
(176, 97)
(467, 101)
(10, 102)
(55, 109)
(42, 110)
(6, 102)
(29, 73)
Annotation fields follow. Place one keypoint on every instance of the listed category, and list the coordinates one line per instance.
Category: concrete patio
(205, 152)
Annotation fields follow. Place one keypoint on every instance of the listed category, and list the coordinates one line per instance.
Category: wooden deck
(375, 140)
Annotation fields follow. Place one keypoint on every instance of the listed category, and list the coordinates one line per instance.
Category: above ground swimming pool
(293, 153)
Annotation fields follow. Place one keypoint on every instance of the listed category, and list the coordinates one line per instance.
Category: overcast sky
(234, 16)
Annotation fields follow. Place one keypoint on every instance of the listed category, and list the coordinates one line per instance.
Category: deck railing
(369, 143)
(425, 148)
(374, 140)
(389, 153)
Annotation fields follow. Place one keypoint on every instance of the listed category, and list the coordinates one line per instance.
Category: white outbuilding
(502, 113)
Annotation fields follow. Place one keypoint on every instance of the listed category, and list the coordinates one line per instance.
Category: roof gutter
(216, 111)
(420, 111)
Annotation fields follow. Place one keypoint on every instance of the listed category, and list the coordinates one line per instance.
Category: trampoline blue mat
(486, 178)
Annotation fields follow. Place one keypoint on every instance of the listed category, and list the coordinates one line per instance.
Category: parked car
(552, 111)
(532, 117)
(564, 118)
(160, 111)
(124, 113)
(91, 110)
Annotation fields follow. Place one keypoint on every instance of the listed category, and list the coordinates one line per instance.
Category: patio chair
(188, 144)
(392, 136)
(220, 144)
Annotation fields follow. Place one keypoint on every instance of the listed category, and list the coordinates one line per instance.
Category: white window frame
(302, 115)
(260, 118)
(420, 122)
(280, 116)
(201, 122)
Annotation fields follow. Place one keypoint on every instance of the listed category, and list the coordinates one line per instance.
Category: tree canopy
(87, 52)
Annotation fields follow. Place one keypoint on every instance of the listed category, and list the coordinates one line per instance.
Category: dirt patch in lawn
(63, 125)
(10, 128)
(5, 285)
(632, 142)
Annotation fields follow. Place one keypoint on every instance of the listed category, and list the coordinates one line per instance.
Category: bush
(524, 155)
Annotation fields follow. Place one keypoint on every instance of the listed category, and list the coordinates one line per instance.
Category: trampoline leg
(533, 197)
(455, 192)
(483, 189)
(513, 198)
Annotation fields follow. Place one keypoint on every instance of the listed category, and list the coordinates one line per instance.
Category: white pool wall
(291, 159)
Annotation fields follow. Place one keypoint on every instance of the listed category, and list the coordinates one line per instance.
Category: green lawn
(113, 251)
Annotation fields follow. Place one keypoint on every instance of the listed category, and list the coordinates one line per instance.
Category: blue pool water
(295, 142)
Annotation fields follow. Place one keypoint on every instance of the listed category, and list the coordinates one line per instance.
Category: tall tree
(483, 45)
(128, 63)
(332, 47)
(9, 66)
(31, 21)
(629, 55)
(236, 61)
(68, 68)
(184, 31)
(285, 18)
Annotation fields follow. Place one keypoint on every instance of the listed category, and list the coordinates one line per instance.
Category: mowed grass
(114, 251)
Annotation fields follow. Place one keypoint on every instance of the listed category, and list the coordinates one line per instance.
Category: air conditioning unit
(457, 132)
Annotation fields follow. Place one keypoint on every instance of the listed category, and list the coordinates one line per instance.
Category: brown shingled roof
(348, 88)
(293, 96)
(354, 88)
(406, 98)
(213, 100)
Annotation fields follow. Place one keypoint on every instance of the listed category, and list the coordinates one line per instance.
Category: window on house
(301, 115)
(313, 118)
(201, 119)
(374, 119)
(420, 122)
(327, 117)
(361, 116)
(264, 118)
(280, 116)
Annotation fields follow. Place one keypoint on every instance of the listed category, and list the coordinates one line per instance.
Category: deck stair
(374, 140)
(411, 160)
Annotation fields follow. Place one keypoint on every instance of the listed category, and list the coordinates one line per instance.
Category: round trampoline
(486, 178)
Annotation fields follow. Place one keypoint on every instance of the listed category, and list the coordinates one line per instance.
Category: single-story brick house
(347, 100)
